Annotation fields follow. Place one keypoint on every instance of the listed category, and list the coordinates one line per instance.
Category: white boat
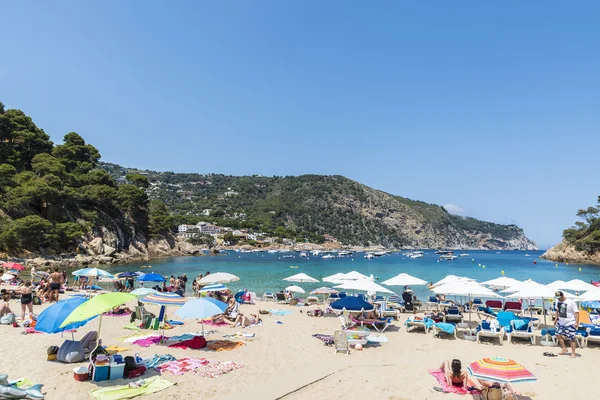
(303, 254)
(415, 255)
(369, 256)
(527, 255)
(328, 257)
(273, 251)
(344, 253)
(288, 256)
(448, 257)
(463, 255)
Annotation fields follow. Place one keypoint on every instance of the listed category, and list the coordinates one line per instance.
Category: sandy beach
(285, 361)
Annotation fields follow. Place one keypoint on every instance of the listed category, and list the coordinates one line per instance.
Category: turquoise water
(260, 272)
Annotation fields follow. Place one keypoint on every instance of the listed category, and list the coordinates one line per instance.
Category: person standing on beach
(567, 322)
(56, 279)
(26, 292)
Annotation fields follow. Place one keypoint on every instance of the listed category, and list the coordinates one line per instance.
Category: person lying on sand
(244, 321)
(118, 310)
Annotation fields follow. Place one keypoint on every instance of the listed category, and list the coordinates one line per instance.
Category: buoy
(483, 266)
(480, 265)
(534, 262)
(502, 272)
(557, 265)
(579, 269)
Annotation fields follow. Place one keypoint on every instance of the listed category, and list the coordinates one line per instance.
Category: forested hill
(308, 206)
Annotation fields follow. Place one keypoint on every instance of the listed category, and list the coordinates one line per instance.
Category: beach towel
(441, 378)
(428, 322)
(327, 339)
(172, 322)
(240, 335)
(215, 369)
(446, 327)
(181, 338)
(223, 345)
(115, 349)
(275, 311)
(519, 323)
(197, 342)
(377, 339)
(158, 359)
(149, 341)
(151, 385)
(504, 318)
(210, 322)
(183, 365)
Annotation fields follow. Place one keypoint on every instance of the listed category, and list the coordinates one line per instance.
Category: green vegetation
(51, 196)
(585, 235)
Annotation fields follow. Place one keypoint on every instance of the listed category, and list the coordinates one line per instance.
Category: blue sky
(492, 107)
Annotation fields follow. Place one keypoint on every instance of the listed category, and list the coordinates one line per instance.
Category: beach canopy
(465, 288)
(51, 318)
(500, 369)
(295, 289)
(164, 299)
(591, 295)
(201, 308)
(151, 277)
(333, 278)
(453, 278)
(143, 292)
(96, 306)
(7, 277)
(218, 277)
(577, 285)
(215, 287)
(324, 290)
(127, 274)
(352, 304)
(366, 285)
(404, 280)
(302, 277)
(13, 265)
(93, 272)
(352, 276)
(501, 282)
(538, 292)
(521, 286)
(557, 285)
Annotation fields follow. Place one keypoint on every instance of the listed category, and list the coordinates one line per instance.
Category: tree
(130, 197)
(21, 139)
(31, 231)
(67, 234)
(43, 164)
(230, 237)
(76, 155)
(160, 221)
(7, 174)
(138, 180)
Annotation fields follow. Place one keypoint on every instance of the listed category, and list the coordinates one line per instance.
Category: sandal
(550, 354)
(438, 389)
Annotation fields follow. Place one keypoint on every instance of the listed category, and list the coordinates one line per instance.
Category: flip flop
(438, 389)
(550, 354)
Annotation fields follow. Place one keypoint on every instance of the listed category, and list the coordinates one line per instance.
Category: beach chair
(333, 297)
(593, 335)
(525, 330)
(386, 311)
(312, 300)
(346, 321)
(380, 325)
(494, 305)
(342, 294)
(394, 299)
(379, 298)
(490, 330)
(453, 315)
(513, 306)
(362, 297)
(433, 302)
(340, 342)
(281, 298)
(268, 296)
(411, 323)
(477, 302)
(484, 312)
(442, 329)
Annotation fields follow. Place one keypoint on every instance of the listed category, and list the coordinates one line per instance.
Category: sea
(264, 272)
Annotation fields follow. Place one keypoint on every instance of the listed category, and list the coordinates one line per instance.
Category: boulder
(96, 245)
(109, 251)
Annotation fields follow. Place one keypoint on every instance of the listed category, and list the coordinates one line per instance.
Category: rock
(96, 245)
(564, 252)
(109, 251)
(105, 260)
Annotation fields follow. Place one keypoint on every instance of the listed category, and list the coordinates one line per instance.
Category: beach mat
(151, 385)
(441, 378)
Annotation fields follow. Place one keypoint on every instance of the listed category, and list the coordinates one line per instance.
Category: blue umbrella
(213, 288)
(51, 318)
(151, 277)
(201, 308)
(591, 305)
(127, 274)
(352, 304)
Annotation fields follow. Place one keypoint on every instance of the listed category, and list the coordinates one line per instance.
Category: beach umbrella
(7, 277)
(143, 292)
(333, 278)
(93, 272)
(577, 285)
(151, 277)
(163, 299)
(452, 278)
(127, 274)
(302, 277)
(353, 276)
(501, 282)
(13, 265)
(201, 308)
(295, 289)
(536, 292)
(215, 287)
(366, 285)
(51, 318)
(351, 304)
(465, 288)
(218, 277)
(521, 286)
(404, 279)
(500, 369)
(591, 295)
(324, 290)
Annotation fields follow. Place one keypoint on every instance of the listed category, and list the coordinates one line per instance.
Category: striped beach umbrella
(213, 288)
(500, 369)
(164, 299)
(93, 272)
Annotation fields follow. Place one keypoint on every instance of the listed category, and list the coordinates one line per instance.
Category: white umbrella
(302, 277)
(333, 278)
(534, 292)
(501, 282)
(453, 278)
(218, 277)
(7, 277)
(591, 295)
(556, 284)
(468, 288)
(352, 276)
(404, 280)
(366, 285)
(323, 290)
(521, 286)
(577, 285)
(295, 289)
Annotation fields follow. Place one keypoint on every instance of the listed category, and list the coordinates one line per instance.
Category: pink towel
(211, 323)
(149, 341)
(441, 378)
(183, 365)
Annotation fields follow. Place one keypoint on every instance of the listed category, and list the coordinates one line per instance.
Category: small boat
(464, 255)
(293, 266)
(448, 257)
(369, 256)
(344, 253)
(303, 254)
(273, 251)
(288, 256)
(328, 257)
(527, 255)
(415, 255)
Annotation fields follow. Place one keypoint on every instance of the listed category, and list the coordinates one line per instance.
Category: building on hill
(210, 229)
(188, 231)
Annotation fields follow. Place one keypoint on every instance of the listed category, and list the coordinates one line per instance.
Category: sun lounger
(593, 335)
(477, 302)
(513, 306)
(453, 315)
(521, 329)
(433, 302)
(268, 296)
(342, 294)
(333, 297)
(379, 298)
(485, 329)
(394, 299)
(346, 321)
(386, 311)
(312, 300)
(494, 305)
(484, 312)
(412, 323)
(380, 325)
(340, 341)
(281, 298)
(441, 329)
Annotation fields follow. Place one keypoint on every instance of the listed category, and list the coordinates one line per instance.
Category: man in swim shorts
(56, 279)
(567, 322)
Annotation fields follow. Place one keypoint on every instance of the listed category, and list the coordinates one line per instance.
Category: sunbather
(455, 376)
(5, 305)
(119, 310)
(26, 298)
(244, 321)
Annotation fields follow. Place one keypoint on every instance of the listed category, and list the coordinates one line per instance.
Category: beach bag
(52, 353)
(36, 300)
(8, 319)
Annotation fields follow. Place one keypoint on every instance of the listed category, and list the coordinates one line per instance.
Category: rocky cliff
(565, 252)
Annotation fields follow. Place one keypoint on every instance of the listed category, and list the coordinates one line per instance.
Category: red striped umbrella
(500, 370)
(13, 265)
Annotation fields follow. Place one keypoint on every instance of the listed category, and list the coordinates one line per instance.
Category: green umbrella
(97, 306)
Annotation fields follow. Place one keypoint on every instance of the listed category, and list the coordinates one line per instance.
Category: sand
(285, 361)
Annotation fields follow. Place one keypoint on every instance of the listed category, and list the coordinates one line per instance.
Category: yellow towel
(115, 349)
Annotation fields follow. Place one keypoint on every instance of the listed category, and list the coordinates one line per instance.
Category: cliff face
(564, 252)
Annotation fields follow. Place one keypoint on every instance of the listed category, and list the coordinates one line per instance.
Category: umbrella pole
(202, 327)
(99, 341)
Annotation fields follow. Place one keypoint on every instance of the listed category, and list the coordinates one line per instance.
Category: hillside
(308, 206)
(581, 242)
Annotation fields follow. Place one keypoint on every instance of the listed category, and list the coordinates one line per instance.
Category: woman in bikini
(26, 292)
(244, 321)
(5, 305)
(455, 376)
